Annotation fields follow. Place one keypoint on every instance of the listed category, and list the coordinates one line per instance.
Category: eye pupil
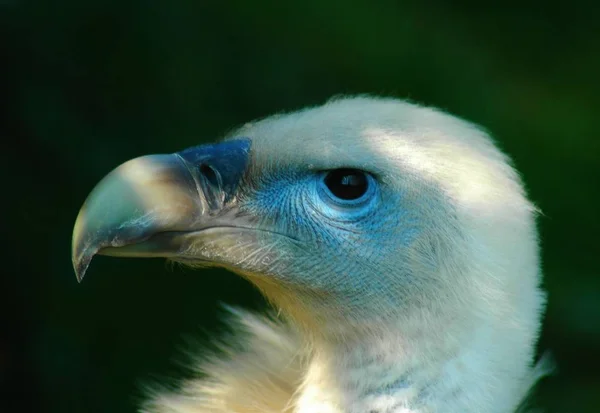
(347, 184)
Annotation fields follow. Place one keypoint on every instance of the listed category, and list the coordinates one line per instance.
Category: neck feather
(459, 365)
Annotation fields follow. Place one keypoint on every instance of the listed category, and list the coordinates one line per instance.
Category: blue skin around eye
(345, 251)
(346, 254)
(298, 203)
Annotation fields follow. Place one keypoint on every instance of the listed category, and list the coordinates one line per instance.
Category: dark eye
(347, 184)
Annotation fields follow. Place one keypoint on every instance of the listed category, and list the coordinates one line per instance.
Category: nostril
(210, 175)
(210, 181)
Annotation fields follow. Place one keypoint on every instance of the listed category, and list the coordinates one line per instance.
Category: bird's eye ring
(346, 185)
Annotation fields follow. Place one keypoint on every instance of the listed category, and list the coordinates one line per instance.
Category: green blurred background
(90, 84)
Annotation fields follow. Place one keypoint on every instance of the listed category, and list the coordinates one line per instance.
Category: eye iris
(347, 184)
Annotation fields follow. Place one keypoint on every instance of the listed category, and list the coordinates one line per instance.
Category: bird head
(349, 214)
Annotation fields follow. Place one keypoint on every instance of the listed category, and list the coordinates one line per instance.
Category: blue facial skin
(348, 239)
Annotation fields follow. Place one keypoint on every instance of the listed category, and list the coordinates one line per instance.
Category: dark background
(87, 85)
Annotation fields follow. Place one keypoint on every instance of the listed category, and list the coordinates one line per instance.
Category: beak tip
(80, 269)
(79, 274)
(81, 262)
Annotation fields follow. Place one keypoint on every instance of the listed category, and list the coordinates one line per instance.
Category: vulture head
(396, 240)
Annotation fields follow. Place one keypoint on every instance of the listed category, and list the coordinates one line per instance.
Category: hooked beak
(151, 206)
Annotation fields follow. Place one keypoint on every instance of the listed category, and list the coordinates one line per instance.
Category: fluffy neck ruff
(464, 360)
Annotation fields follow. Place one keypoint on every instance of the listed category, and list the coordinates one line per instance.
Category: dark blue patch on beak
(219, 167)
